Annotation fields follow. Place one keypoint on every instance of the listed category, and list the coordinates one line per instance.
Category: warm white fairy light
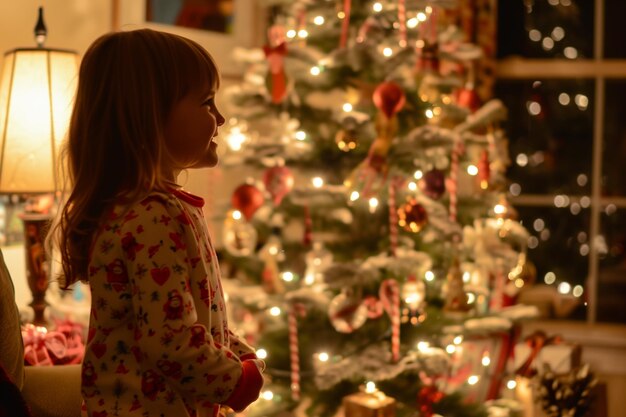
(354, 195)
(300, 135)
(570, 52)
(373, 203)
(377, 7)
(387, 51)
(547, 43)
(341, 15)
(288, 276)
(515, 189)
(486, 360)
(302, 33)
(429, 276)
(275, 311)
(418, 174)
(519, 283)
(318, 182)
(585, 201)
(577, 291)
(558, 33)
(584, 250)
(315, 71)
(549, 278)
(533, 242)
(319, 20)
(564, 99)
(412, 23)
(347, 107)
(511, 384)
(323, 357)
(564, 288)
(273, 249)
(370, 387)
(457, 340)
(421, 16)
(471, 298)
(429, 113)
(534, 108)
(582, 101)
(473, 380)
(450, 349)
(521, 159)
(423, 346)
(412, 185)
(466, 277)
(499, 209)
(267, 395)
(472, 169)
(235, 138)
(261, 353)
(534, 35)
(291, 33)
(236, 215)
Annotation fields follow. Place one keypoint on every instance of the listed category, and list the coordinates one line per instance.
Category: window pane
(550, 130)
(559, 248)
(546, 28)
(614, 29)
(612, 274)
(614, 147)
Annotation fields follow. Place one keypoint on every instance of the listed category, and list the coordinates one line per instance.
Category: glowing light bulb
(429, 276)
(288, 276)
(318, 182)
(370, 387)
(318, 20)
(275, 311)
(347, 107)
(377, 7)
(354, 195)
(373, 203)
(450, 349)
(423, 346)
(291, 33)
(457, 340)
(511, 384)
(323, 357)
(267, 395)
(302, 33)
(472, 169)
(486, 361)
(261, 353)
(237, 215)
(473, 380)
(387, 51)
(300, 135)
(315, 71)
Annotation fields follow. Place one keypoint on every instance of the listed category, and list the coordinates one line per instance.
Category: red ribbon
(536, 341)
(60, 347)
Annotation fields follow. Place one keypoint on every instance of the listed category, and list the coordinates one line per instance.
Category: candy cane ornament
(390, 297)
(294, 354)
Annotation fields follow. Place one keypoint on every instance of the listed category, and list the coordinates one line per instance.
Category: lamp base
(37, 268)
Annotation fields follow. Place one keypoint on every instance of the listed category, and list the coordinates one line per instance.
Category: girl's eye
(209, 102)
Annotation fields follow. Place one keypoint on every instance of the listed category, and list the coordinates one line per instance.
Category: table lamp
(37, 87)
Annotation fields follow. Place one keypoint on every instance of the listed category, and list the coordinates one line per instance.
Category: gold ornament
(412, 216)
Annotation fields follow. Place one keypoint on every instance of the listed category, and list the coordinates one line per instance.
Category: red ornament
(433, 184)
(247, 199)
(468, 98)
(389, 98)
(427, 397)
(412, 216)
(278, 181)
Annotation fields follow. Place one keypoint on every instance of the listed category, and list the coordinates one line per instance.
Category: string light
(347, 107)
(275, 311)
(288, 276)
(370, 387)
(354, 195)
(318, 20)
(302, 33)
(564, 288)
(412, 23)
(291, 33)
(377, 7)
(486, 360)
(423, 346)
(318, 182)
(387, 51)
(472, 170)
(458, 340)
(450, 349)
(261, 353)
(267, 395)
(373, 203)
(549, 278)
(323, 357)
(421, 16)
(412, 186)
(418, 174)
(473, 380)
(429, 276)
(577, 291)
(429, 113)
(315, 71)
(511, 384)
(236, 215)
(300, 135)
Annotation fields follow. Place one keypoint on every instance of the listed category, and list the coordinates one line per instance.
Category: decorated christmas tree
(375, 260)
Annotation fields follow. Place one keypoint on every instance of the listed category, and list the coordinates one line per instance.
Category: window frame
(599, 69)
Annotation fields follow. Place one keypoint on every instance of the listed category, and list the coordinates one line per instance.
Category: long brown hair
(128, 84)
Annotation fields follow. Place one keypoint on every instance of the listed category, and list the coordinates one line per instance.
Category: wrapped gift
(369, 403)
(539, 351)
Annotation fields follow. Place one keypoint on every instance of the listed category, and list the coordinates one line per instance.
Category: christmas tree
(376, 260)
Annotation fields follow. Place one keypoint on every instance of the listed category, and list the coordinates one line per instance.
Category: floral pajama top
(158, 342)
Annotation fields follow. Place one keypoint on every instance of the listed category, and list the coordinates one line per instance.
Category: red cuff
(247, 389)
(248, 356)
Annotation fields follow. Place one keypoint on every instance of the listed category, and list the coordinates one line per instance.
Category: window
(561, 72)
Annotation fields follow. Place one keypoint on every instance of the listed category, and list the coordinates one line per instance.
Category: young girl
(158, 342)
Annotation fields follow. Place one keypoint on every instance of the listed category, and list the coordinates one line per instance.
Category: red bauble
(468, 98)
(389, 98)
(412, 216)
(433, 184)
(278, 182)
(247, 199)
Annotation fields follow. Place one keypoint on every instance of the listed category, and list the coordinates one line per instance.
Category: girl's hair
(128, 84)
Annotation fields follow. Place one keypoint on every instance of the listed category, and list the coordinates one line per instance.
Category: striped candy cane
(389, 294)
(394, 184)
(294, 353)
(345, 25)
(457, 150)
(402, 21)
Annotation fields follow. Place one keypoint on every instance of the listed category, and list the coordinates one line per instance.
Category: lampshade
(37, 88)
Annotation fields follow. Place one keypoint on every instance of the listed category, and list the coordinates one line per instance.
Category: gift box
(369, 404)
(560, 357)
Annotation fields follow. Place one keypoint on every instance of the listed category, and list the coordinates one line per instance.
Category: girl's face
(190, 129)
